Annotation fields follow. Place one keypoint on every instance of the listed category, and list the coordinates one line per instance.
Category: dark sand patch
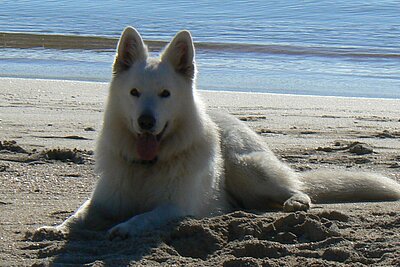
(11, 146)
(15, 153)
(252, 118)
(356, 148)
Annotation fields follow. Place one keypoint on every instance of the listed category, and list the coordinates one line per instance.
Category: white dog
(161, 156)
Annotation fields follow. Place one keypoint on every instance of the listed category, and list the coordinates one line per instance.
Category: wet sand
(48, 131)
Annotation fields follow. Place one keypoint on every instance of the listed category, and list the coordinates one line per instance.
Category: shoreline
(210, 90)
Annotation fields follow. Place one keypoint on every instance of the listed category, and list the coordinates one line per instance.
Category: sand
(48, 131)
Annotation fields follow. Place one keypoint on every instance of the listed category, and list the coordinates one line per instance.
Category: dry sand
(42, 185)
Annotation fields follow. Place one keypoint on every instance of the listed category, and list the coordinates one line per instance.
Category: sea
(347, 48)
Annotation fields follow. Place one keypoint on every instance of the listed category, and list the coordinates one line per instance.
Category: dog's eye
(165, 94)
(135, 92)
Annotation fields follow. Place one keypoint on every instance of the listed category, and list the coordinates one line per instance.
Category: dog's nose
(146, 122)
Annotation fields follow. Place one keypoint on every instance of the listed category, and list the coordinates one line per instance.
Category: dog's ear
(130, 49)
(180, 53)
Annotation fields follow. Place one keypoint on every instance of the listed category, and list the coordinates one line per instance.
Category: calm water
(343, 48)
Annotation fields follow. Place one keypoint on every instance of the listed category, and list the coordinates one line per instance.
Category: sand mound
(235, 239)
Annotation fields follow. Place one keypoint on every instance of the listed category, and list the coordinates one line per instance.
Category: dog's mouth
(148, 145)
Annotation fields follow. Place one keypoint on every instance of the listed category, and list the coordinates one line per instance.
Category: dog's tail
(346, 186)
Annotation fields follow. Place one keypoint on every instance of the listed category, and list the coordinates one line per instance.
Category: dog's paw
(121, 231)
(298, 202)
(48, 233)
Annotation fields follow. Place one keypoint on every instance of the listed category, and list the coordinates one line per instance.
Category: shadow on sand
(82, 247)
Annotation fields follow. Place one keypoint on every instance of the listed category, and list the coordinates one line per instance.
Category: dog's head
(152, 93)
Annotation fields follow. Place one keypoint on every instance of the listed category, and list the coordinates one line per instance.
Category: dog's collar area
(144, 162)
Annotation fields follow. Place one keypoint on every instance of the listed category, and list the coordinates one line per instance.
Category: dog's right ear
(130, 49)
(180, 54)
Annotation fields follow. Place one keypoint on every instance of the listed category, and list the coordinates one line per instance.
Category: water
(339, 48)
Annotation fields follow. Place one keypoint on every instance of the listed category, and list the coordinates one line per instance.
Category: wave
(99, 43)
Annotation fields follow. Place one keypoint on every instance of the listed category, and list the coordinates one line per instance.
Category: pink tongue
(147, 146)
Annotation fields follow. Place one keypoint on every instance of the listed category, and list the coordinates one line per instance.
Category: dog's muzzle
(148, 144)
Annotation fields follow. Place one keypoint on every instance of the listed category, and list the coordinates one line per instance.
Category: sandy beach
(48, 131)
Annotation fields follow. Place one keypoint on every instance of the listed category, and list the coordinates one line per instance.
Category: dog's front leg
(145, 222)
(87, 217)
(62, 230)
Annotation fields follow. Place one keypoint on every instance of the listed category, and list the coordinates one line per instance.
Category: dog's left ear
(180, 53)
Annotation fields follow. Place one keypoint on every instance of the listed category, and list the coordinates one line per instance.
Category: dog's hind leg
(258, 180)
(254, 177)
